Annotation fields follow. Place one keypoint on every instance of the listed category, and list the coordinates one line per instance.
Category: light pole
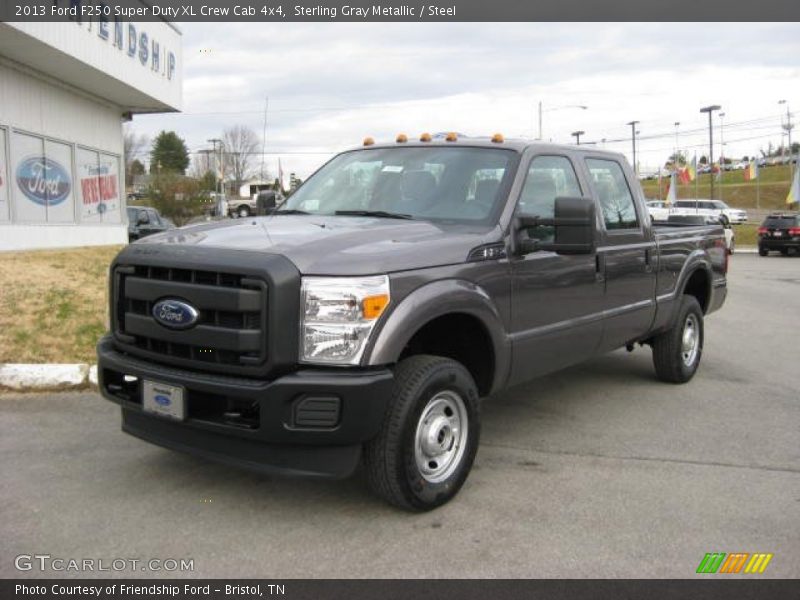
(577, 135)
(675, 162)
(633, 140)
(220, 169)
(721, 153)
(553, 108)
(710, 110)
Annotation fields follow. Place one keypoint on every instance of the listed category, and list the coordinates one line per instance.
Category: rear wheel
(243, 212)
(425, 449)
(677, 352)
(762, 251)
(785, 251)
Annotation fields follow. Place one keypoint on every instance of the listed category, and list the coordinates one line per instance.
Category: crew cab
(365, 318)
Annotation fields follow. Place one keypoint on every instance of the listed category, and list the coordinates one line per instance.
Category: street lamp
(551, 109)
(633, 138)
(577, 135)
(721, 153)
(675, 157)
(220, 165)
(710, 110)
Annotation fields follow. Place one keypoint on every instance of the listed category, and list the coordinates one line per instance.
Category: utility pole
(540, 121)
(677, 124)
(220, 166)
(710, 109)
(264, 136)
(788, 127)
(633, 140)
(721, 154)
(577, 135)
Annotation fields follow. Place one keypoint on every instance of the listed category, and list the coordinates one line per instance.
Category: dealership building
(66, 88)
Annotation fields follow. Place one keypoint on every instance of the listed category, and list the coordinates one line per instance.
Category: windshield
(436, 183)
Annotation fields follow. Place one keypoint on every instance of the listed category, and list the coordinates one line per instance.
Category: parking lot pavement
(597, 471)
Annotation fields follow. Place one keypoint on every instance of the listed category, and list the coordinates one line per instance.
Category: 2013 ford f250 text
(366, 317)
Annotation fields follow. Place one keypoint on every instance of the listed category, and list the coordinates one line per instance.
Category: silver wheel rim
(243, 212)
(441, 436)
(690, 340)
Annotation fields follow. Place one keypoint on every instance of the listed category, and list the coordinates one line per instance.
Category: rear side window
(616, 199)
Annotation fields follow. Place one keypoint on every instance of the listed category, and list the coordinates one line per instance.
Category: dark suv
(145, 220)
(779, 231)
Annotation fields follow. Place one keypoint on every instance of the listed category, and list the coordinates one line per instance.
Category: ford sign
(175, 314)
(162, 400)
(43, 181)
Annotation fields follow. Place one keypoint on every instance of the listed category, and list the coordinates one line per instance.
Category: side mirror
(142, 218)
(574, 224)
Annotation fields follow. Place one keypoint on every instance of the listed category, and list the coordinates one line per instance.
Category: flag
(280, 173)
(751, 172)
(794, 191)
(691, 170)
(683, 176)
(672, 189)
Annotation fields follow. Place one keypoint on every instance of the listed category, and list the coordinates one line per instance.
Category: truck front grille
(231, 330)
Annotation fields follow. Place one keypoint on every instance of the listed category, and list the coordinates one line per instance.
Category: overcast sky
(330, 84)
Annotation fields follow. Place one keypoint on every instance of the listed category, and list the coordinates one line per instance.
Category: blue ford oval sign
(175, 314)
(43, 181)
(162, 400)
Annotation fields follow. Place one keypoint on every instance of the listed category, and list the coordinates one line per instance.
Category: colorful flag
(751, 172)
(672, 189)
(691, 170)
(794, 191)
(683, 176)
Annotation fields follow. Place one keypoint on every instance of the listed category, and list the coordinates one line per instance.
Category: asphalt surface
(597, 471)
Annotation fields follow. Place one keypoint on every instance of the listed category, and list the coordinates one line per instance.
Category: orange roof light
(451, 137)
(402, 138)
(368, 141)
(497, 138)
(425, 137)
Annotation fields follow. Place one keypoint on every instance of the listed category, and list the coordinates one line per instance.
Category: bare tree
(133, 148)
(240, 145)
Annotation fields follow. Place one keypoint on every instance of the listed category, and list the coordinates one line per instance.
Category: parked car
(711, 208)
(144, 221)
(363, 320)
(658, 209)
(781, 232)
(246, 207)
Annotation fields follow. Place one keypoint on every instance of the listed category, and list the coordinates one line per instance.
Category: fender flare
(696, 261)
(435, 300)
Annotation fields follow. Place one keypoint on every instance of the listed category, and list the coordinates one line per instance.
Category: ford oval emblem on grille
(175, 314)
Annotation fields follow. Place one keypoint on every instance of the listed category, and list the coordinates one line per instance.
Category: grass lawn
(770, 192)
(746, 234)
(53, 304)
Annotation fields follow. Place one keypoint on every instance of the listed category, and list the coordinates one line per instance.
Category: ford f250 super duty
(365, 318)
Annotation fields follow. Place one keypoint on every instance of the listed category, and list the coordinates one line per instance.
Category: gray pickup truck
(365, 318)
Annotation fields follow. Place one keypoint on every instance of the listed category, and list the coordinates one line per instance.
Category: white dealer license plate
(163, 400)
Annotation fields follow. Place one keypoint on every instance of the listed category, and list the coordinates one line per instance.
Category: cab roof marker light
(498, 138)
(451, 137)
(368, 141)
(402, 138)
(425, 137)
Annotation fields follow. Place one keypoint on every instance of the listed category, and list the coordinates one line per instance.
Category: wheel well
(462, 338)
(699, 286)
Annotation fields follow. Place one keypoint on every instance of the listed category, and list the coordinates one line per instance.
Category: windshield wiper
(372, 213)
(289, 211)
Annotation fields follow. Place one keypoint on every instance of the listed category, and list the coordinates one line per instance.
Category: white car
(709, 208)
(658, 209)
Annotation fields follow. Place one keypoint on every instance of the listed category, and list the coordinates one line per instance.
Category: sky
(331, 84)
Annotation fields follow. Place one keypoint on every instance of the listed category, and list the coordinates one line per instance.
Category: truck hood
(339, 245)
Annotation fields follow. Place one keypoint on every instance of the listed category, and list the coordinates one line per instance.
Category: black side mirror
(574, 223)
(142, 218)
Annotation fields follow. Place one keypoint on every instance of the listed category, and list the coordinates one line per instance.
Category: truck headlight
(339, 313)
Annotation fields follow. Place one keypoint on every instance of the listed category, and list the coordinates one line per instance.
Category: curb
(40, 377)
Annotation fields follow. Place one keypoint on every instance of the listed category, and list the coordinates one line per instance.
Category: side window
(616, 200)
(548, 178)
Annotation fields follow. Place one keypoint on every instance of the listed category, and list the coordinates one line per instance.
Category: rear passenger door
(626, 254)
(557, 300)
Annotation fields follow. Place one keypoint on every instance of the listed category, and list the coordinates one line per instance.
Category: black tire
(762, 251)
(673, 363)
(243, 212)
(392, 468)
(785, 251)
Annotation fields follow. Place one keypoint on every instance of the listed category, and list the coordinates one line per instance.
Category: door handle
(648, 263)
(599, 267)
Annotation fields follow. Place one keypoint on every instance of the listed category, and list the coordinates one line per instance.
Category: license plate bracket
(164, 400)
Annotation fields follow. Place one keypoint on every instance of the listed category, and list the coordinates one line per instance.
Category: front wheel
(243, 212)
(677, 352)
(428, 441)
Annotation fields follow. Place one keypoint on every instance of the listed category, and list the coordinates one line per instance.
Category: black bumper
(268, 426)
(778, 243)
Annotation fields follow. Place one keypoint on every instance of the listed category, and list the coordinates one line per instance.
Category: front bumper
(252, 423)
